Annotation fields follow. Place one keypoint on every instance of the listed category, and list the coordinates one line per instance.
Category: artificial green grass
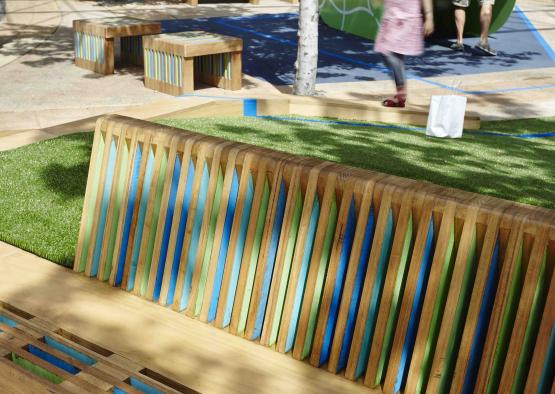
(41, 195)
(42, 185)
(516, 169)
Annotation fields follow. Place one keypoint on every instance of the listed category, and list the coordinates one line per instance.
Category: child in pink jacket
(402, 34)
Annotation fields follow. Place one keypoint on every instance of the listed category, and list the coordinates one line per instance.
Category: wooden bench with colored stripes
(94, 41)
(174, 61)
(36, 356)
(391, 282)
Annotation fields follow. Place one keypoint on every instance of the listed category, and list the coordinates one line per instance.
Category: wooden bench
(400, 284)
(174, 61)
(94, 41)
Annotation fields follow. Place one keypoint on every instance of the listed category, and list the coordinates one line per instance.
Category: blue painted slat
(339, 282)
(276, 230)
(167, 229)
(181, 231)
(141, 220)
(375, 298)
(230, 213)
(7, 321)
(299, 293)
(129, 215)
(192, 253)
(49, 358)
(357, 291)
(104, 208)
(239, 252)
(69, 351)
(416, 310)
(483, 323)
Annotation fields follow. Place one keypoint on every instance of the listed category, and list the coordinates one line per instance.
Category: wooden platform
(36, 354)
(199, 356)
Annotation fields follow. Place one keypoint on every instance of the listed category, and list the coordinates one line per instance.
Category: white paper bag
(446, 118)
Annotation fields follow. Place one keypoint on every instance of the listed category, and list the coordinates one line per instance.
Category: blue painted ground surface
(270, 50)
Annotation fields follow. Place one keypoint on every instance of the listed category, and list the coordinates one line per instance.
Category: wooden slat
(403, 234)
(329, 197)
(299, 254)
(418, 259)
(463, 265)
(540, 359)
(383, 215)
(230, 172)
(275, 302)
(176, 222)
(364, 195)
(532, 293)
(243, 211)
(511, 264)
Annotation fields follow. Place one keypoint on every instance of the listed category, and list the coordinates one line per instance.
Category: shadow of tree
(509, 168)
(66, 181)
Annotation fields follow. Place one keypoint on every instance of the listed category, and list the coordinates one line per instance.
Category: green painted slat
(117, 210)
(467, 285)
(286, 267)
(209, 241)
(395, 304)
(322, 270)
(37, 370)
(437, 313)
(154, 221)
(254, 257)
(532, 328)
(91, 212)
(507, 323)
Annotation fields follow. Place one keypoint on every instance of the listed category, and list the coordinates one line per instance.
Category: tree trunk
(307, 55)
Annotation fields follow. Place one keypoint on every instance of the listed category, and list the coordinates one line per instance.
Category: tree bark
(307, 54)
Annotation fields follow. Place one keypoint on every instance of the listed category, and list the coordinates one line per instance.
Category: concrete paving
(40, 85)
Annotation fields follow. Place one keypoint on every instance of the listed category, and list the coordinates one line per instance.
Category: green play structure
(362, 17)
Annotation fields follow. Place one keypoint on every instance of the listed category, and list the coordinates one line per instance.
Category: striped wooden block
(94, 41)
(403, 285)
(173, 62)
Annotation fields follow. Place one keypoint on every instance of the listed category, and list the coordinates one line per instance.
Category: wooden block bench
(174, 61)
(37, 356)
(402, 285)
(94, 41)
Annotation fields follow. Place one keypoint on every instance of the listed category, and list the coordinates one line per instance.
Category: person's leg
(460, 20)
(486, 9)
(485, 22)
(396, 63)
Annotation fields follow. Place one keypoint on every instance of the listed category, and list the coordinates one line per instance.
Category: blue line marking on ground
(406, 128)
(550, 52)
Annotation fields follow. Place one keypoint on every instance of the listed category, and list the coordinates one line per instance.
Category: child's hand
(428, 25)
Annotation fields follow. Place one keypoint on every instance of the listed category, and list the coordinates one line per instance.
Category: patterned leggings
(396, 63)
